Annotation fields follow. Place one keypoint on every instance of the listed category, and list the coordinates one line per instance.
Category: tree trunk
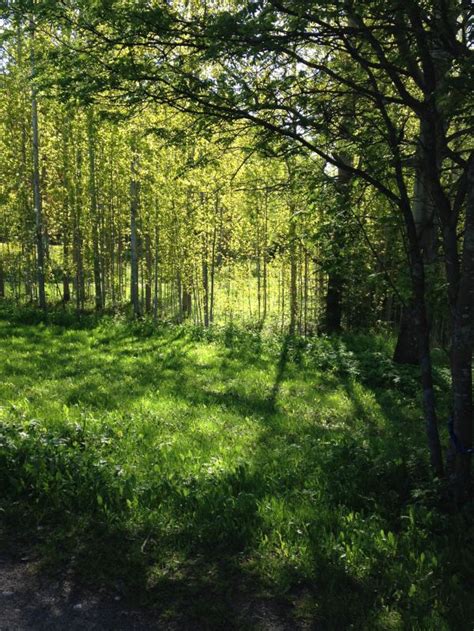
(406, 349)
(293, 274)
(186, 304)
(205, 284)
(156, 296)
(77, 235)
(66, 288)
(265, 258)
(336, 280)
(461, 353)
(38, 202)
(423, 336)
(94, 211)
(134, 295)
(213, 275)
(148, 272)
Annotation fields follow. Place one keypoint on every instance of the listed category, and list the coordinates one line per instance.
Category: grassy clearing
(205, 473)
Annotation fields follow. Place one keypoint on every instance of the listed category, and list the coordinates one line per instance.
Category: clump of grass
(200, 467)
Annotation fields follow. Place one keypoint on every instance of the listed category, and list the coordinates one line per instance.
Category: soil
(34, 599)
(31, 599)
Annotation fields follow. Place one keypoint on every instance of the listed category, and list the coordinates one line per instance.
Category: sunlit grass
(193, 466)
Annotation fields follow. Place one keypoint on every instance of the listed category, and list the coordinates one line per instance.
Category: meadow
(213, 474)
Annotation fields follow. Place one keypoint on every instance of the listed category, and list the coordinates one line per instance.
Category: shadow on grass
(293, 533)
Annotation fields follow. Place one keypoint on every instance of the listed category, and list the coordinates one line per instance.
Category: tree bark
(205, 284)
(149, 272)
(336, 280)
(406, 350)
(94, 211)
(77, 235)
(461, 353)
(293, 274)
(156, 296)
(38, 202)
(134, 294)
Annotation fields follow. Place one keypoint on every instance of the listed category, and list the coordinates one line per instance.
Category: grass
(213, 474)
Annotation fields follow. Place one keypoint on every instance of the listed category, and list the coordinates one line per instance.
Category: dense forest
(237, 309)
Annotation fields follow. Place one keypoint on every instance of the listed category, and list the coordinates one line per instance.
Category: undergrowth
(202, 469)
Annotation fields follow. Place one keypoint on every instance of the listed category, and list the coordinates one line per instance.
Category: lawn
(213, 474)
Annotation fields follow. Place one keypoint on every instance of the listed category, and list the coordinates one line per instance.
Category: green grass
(207, 472)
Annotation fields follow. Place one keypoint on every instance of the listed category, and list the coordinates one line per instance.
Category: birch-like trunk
(38, 202)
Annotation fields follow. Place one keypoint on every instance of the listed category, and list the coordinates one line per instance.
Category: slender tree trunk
(213, 274)
(94, 211)
(148, 272)
(181, 300)
(134, 294)
(306, 292)
(66, 287)
(38, 202)
(156, 296)
(120, 264)
(67, 208)
(205, 278)
(77, 234)
(187, 303)
(293, 275)
(265, 257)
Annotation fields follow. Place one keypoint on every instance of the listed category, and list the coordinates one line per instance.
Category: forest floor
(32, 599)
(224, 479)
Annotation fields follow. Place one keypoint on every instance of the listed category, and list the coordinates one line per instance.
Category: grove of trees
(302, 165)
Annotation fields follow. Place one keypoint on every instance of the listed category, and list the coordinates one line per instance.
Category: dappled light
(212, 467)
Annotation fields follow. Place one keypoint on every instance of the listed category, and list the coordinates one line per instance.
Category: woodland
(237, 307)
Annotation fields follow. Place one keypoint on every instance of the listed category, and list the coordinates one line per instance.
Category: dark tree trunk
(186, 304)
(66, 288)
(417, 268)
(406, 350)
(461, 353)
(336, 280)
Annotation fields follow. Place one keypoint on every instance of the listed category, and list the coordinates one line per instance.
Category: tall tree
(38, 201)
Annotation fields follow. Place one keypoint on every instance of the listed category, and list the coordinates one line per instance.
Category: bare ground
(32, 599)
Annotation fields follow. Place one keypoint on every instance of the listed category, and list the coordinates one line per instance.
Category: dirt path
(32, 600)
